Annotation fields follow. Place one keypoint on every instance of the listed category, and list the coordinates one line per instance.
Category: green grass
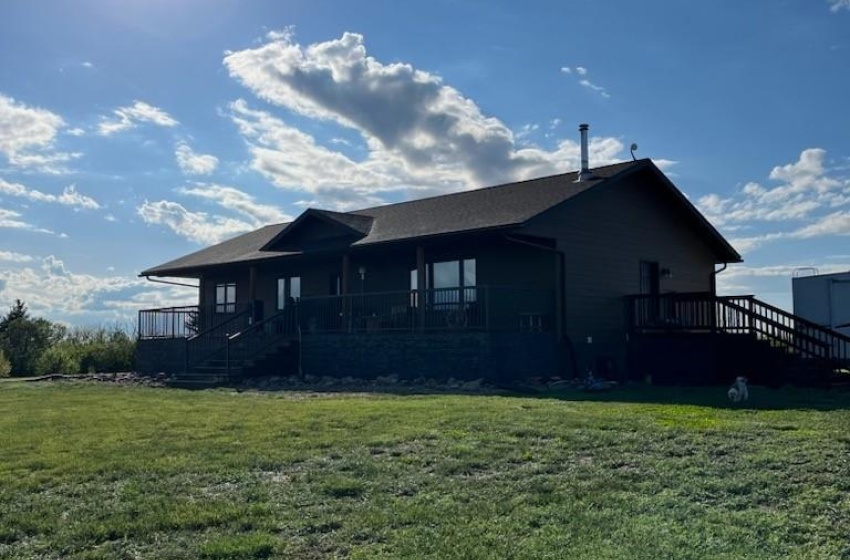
(94, 471)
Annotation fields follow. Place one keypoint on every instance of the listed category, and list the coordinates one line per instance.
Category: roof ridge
(499, 186)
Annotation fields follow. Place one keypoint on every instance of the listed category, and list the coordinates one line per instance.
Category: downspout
(561, 318)
(712, 278)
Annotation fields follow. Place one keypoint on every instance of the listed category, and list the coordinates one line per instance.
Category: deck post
(487, 309)
(252, 292)
(346, 304)
(227, 354)
(420, 287)
(560, 288)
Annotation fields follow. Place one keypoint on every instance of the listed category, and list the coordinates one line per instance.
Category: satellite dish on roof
(633, 149)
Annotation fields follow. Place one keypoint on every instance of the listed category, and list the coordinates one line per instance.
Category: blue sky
(134, 132)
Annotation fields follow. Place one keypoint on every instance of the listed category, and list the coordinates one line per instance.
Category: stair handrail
(253, 328)
(825, 338)
(799, 320)
(209, 336)
(740, 314)
(792, 333)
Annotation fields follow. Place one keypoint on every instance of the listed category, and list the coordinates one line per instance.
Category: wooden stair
(279, 357)
(726, 336)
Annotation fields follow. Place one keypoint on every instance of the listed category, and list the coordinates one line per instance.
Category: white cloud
(836, 223)
(131, 116)
(410, 120)
(153, 296)
(292, 160)
(198, 227)
(805, 187)
(749, 244)
(51, 287)
(69, 196)
(783, 270)
(11, 220)
(743, 279)
(599, 89)
(238, 201)
(11, 256)
(192, 163)
(837, 5)
(28, 135)
(87, 64)
(524, 132)
(422, 135)
(805, 204)
(581, 72)
(204, 228)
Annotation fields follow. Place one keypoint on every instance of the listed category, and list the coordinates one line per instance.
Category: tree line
(35, 346)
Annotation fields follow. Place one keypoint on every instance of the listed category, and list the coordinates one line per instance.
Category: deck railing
(738, 315)
(243, 334)
(472, 308)
(482, 308)
(184, 322)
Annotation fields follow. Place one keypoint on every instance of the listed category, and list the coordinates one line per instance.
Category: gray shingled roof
(501, 206)
(358, 222)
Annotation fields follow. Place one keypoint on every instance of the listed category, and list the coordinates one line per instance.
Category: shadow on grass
(761, 398)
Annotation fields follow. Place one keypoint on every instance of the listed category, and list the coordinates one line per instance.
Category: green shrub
(32, 345)
(23, 339)
(5, 365)
(59, 358)
(117, 354)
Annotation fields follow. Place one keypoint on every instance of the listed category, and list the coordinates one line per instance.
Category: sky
(133, 132)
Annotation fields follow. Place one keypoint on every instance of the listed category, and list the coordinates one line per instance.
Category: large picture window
(288, 291)
(454, 281)
(225, 297)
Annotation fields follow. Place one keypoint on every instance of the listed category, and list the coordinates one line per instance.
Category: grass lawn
(98, 471)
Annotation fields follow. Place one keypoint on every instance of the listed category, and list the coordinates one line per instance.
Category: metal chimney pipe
(584, 174)
(585, 165)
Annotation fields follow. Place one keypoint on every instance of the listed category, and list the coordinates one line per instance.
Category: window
(456, 281)
(225, 297)
(288, 291)
(470, 294)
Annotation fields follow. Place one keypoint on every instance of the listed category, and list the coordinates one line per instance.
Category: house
(550, 276)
